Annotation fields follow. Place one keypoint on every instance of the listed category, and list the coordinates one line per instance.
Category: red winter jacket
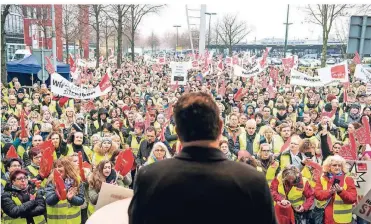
(349, 196)
(308, 193)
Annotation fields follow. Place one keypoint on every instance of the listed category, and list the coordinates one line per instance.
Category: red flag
(49, 66)
(23, 125)
(82, 174)
(222, 89)
(63, 100)
(264, 82)
(271, 92)
(195, 64)
(357, 58)
(101, 59)
(147, 121)
(46, 162)
(169, 112)
(286, 145)
(72, 64)
(263, 61)
(162, 135)
(89, 106)
(240, 93)
(105, 83)
(220, 65)
(316, 170)
(363, 134)
(124, 162)
(349, 151)
(228, 60)
(46, 145)
(12, 153)
(175, 87)
(235, 60)
(60, 189)
(345, 96)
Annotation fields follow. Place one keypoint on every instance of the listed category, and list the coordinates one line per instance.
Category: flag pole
(54, 40)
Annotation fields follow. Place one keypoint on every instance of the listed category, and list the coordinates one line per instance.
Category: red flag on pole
(23, 125)
(124, 162)
(221, 65)
(12, 153)
(49, 66)
(60, 188)
(46, 162)
(175, 87)
(363, 134)
(72, 64)
(82, 174)
(357, 58)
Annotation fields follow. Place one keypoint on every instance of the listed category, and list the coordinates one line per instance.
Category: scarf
(330, 175)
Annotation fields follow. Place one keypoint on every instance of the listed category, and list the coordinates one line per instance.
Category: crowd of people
(285, 135)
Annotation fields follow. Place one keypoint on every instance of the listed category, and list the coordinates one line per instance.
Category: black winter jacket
(28, 209)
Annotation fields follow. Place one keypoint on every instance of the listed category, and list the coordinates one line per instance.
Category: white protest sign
(363, 209)
(338, 72)
(360, 171)
(63, 87)
(363, 73)
(301, 79)
(110, 193)
(179, 72)
(254, 71)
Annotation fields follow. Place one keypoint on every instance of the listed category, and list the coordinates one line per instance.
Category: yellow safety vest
(3, 182)
(295, 195)
(135, 144)
(242, 140)
(96, 123)
(20, 151)
(14, 111)
(271, 173)
(91, 209)
(342, 213)
(34, 173)
(86, 149)
(172, 132)
(343, 130)
(9, 220)
(63, 213)
(284, 161)
(52, 107)
(307, 174)
(97, 158)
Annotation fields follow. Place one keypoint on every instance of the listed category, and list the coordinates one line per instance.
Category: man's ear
(221, 123)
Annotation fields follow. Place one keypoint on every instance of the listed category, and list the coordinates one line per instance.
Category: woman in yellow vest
(307, 153)
(67, 210)
(77, 145)
(336, 189)
(103, 151)
(290, 188)
(68, 117)
(104, 173)
(20, 202)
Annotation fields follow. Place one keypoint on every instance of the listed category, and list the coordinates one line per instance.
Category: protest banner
(110, 193)
(363, 209)
(301, 79)
(63, 87)
(363, 73)
(179, 73)
(335, 73)
(360, 171)
(254, 71)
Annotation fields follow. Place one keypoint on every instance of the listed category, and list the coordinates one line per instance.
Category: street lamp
(287, 29)
(208, 38)
(176, 26)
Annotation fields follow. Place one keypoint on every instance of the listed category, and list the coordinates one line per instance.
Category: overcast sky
(267, 22)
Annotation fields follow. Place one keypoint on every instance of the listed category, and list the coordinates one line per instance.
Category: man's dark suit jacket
(200, 185)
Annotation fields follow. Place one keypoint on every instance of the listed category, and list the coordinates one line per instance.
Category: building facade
(14, 29)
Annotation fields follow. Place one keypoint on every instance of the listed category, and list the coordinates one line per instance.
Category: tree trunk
(67, 50)
(4, 74)
(106, 45)
(132, 34)
(97, 45)
(324, 50)
(119, 38)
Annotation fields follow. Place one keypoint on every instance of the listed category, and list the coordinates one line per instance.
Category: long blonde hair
(70, 169)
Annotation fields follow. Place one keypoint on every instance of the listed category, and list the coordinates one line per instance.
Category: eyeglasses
(21, 178)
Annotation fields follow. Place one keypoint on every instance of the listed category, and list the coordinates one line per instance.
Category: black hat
(355, 105)
(21, 90)
(328, 107)
(102, 111)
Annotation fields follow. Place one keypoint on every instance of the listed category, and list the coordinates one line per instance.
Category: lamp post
(177, 34)
(287, 29)
(209, 36)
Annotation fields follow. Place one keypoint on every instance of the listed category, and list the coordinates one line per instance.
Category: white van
(20, 54)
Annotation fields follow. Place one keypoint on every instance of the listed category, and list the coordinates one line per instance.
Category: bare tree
(231, 31)
(108, 31)
(325, 15)
(96, 12)
(69, 25)
(134, 17)
(153, 41)
(341, 35)
(363, 9)
(5, 10)
(117, 13)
